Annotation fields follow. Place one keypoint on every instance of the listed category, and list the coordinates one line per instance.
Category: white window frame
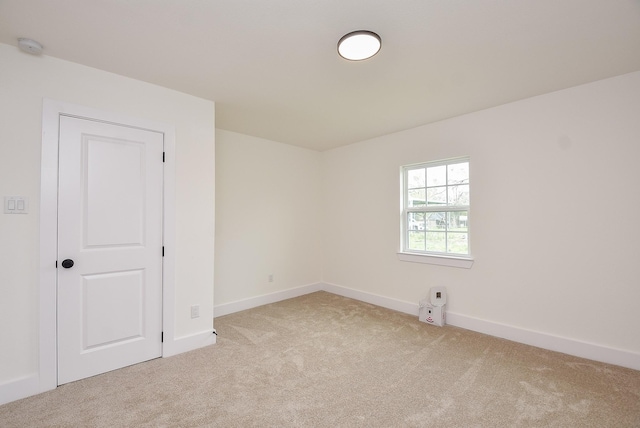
(430, 257)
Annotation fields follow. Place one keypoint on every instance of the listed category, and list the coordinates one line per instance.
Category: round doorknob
(67, 263)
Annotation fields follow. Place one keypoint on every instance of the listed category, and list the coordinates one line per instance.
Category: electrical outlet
(270, 277)
(195, 311)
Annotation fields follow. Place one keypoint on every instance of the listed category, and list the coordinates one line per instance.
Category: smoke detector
(29, 46)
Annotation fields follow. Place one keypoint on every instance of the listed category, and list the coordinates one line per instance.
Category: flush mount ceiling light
(30, 46)
(359, 45)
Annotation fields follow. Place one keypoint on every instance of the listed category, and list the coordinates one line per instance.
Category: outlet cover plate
(195, 311)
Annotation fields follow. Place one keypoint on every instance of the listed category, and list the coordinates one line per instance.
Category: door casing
(51, 112)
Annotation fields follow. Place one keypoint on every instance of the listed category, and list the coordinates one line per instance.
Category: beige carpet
(322, 360)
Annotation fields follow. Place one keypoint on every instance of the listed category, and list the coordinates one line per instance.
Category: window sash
(441, 235)
(436, 208)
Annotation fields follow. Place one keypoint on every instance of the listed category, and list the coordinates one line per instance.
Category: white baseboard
(590, 351)
(17, 389)
(188, 343)
(265, 299)
(551, 342)
(374, 299)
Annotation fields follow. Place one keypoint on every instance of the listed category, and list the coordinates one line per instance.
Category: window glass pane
(457, 221)
(436, 241)
(416, 241)
(436, 221)
(416, 198)
(459, 173)
(415, 178)
(457, 243)
(458, 195)
(437, 176)
(416, 221)
(437, 196)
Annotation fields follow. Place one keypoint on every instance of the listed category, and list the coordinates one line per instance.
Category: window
(435, 214)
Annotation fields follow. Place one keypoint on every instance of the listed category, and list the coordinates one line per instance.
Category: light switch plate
(16, 205)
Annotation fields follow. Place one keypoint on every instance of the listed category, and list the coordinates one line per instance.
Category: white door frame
(51, 112)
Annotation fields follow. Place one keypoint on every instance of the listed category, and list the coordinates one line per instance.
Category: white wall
(555, 204)
(267, 218)
(553, 227)
(24, 81)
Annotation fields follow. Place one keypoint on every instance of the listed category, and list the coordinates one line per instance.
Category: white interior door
(109, 305)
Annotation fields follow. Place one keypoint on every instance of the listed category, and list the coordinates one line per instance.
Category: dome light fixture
(359, 45)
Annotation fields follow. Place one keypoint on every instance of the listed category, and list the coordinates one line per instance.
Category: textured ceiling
(273, 70)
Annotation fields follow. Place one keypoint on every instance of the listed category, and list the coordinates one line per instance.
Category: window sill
(459, 262)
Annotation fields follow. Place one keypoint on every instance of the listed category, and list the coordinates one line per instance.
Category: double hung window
(435, 215)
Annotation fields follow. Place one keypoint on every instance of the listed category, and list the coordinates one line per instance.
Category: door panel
(114, 192)
(110, 225)
(110, 293)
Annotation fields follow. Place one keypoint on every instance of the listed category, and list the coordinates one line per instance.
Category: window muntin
(435, 218)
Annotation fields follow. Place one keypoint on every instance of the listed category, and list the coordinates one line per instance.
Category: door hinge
(162, 336)
(56, 264)
(162, 156)
(163, 251)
